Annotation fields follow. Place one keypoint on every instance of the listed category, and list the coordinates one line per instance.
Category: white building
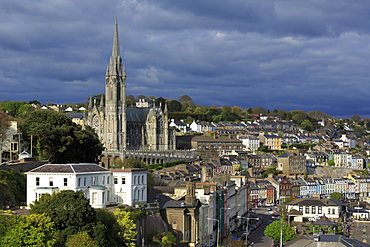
(97, 183)
(130, 186)
(313, 208)
(250, 142)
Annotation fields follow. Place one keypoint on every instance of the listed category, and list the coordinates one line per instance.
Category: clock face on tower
(96, 122)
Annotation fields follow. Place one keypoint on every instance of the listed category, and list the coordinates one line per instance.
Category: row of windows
(314, 208)
(137, 180)
(93, 181)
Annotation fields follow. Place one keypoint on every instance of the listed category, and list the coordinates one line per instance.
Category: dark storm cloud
(309, 55)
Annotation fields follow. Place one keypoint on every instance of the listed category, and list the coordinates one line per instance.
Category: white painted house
(97, 183)
(130, 186)
(310, 209)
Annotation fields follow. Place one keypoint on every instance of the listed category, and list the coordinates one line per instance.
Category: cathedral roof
(134, 114)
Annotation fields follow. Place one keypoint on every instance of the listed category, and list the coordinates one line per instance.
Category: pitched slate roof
(68, 168)
(134, 114)
(315, 202)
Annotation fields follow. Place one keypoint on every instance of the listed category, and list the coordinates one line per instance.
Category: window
(84, 181)
(319, 211)
(51, 183)
(313, 209)
(65, 181)
(115, 180)
(108, 180)
(174, 224)
(123, 180)
(333, 211)
(300, 208)
(79, 181)
(103, 180)
(108, 194)
(94, 198)
(134, 179)
(307, 210)
(37, 181)
(103, 197)
(329, 211)
(142, 179)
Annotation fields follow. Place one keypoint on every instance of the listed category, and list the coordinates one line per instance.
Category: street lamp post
(218, 229)
(247, 227)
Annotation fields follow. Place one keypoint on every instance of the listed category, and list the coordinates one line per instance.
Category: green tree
(307, 125)
(275, 229)
(35, 102)
(132, 162)
(336, 196)
(106, 232)
(81, 239)
(174, 106)
(69, 210)
(32, 230)
(59, 140)
(12, 188)
(16, 108)
(165, 239)
(331, 163)
(127, 227)
(300, 117)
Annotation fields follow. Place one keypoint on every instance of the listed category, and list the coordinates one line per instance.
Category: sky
(310, 55)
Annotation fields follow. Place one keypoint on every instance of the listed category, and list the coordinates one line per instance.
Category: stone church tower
(144, 127)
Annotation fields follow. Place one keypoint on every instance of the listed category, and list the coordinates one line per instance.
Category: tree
(336, 196)
(4, 124)
(275, 229)
(356, 118)
(331, 163)
(35, 102)
(59, 140)
(16, 108)
(132, 162)
(185, 98)
(81, 239)
(174, 106)
(127, 227)
(106, 232)
(70, 211)
(32, 230)
(300, 117)
(307, 125)
(12, 188)
(165, 239)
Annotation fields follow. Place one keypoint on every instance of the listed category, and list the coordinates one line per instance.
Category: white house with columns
(98, 183)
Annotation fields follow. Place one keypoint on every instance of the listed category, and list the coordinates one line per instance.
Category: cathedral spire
(115, 67)
(115, 48)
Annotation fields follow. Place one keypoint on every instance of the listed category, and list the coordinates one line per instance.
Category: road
(257, 236)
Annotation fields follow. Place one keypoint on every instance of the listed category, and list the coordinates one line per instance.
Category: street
(257, 236)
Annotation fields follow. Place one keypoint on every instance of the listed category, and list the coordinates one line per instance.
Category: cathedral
(143, 127)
